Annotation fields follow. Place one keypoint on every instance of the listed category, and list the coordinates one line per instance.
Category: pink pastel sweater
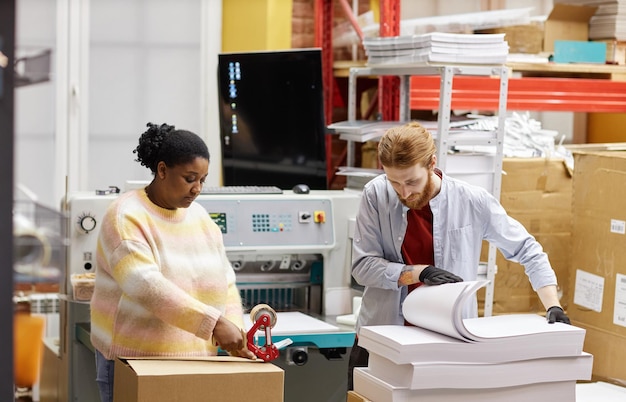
(162, 281)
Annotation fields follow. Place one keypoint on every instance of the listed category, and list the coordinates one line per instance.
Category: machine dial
(86, 222)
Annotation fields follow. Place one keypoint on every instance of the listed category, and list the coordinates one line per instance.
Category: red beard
(419, 201)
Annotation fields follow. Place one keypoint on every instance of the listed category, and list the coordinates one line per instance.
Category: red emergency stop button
(320, 216)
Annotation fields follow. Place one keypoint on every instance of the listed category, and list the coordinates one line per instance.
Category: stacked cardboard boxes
(538, 193)
(566, 22)
(598, 278)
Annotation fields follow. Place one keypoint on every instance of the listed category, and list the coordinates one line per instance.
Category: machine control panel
(248, 222)
(269, 221)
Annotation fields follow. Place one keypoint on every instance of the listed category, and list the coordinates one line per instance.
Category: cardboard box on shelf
(567, 22)
(219, 379)
(520, 38)
(537, 192)
(615, 50)
(598, 278)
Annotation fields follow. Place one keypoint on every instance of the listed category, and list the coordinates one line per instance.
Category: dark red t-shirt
(417, 247)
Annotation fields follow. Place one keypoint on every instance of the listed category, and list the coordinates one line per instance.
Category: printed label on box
(619, 309)
(588, 290)
(618, 226)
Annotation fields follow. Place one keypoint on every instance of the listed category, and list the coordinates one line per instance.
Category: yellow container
(27, 347)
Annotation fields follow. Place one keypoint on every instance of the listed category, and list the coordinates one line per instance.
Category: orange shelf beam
(527, 93)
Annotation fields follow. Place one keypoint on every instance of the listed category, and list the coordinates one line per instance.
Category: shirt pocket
(460, 244)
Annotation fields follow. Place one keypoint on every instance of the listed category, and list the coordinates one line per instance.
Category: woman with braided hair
(164, 286)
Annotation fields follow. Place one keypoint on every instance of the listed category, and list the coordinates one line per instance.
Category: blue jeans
(104, 377)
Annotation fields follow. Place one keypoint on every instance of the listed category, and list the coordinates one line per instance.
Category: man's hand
(556, 314)
(436, 276)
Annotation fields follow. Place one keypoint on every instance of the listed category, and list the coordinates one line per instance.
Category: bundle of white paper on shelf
(437, 47)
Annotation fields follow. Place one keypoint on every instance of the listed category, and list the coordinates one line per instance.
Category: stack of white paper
(437, 48)
(507, 357)
(372, 130)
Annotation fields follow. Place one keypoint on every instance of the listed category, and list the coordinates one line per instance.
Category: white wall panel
(144, 67)
(172, 87)
(429, 8)
(117, 84)
(115, 158)
(35, 104)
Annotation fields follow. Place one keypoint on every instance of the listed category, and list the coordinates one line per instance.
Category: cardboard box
(598, 278)
(538, 193)
(83, 286)
(355, 397)
(567, 22)
(219, 379)
(520, 38)
(609, 359)
(615, 50)
(607, 146)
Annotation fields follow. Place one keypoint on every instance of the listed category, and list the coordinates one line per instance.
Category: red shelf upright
(388, 87)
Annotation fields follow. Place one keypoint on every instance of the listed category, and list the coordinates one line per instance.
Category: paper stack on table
(445, 357)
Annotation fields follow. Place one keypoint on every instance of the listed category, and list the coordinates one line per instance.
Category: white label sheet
(618, 226)
(588, 290)
(619, 308)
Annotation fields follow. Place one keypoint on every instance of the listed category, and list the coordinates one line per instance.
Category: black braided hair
(165, 143)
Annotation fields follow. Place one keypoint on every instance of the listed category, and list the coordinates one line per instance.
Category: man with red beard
(416, 225)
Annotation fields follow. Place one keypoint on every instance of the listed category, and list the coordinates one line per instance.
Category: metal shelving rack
(443, 139)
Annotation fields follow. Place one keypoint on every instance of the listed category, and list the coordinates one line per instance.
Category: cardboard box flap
(568, 12)
(567, 22)
(154, 367)
(219, 358)
(609, 146)
(608, 154)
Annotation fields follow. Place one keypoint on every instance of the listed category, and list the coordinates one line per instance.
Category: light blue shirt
(463, 216)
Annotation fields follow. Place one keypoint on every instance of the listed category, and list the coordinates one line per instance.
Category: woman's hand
(231, 339)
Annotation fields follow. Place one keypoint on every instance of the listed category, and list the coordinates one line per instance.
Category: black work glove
(556, 314)
(436, 276)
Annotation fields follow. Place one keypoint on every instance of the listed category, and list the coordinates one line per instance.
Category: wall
(144, 67)
(256, 25)
(428, 8)
(35, 104)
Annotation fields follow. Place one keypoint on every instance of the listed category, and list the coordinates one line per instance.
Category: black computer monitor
(272, 124)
